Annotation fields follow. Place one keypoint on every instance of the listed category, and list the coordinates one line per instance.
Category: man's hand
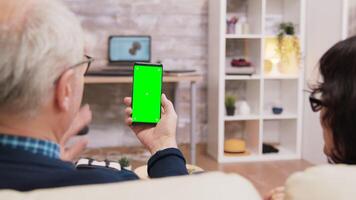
(82, 119)
(276, 194)
(158, 137)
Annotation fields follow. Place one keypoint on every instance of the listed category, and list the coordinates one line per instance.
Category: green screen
(146, 95)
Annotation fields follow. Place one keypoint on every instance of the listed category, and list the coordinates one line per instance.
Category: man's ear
(64, 90)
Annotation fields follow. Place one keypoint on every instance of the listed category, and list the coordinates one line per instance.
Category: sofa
(323, 182)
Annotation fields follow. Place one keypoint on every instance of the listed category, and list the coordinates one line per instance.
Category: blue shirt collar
(35, 146)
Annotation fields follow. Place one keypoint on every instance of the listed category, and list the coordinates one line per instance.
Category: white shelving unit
(260, 89)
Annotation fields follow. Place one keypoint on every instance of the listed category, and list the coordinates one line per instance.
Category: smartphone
(146, 93)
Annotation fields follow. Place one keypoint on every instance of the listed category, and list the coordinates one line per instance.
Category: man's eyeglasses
(315, 103)
(88, 61)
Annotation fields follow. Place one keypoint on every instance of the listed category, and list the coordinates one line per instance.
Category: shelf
(256, 117)
(248, 90)
(248, 131)
(243, 36)
(284, 70)
(240, 158)
(283, 153)
(281, 76)
(278, 11)
(275, 36)
(242, 77)
(281, 92)
(242, 117)
(281, 116)
(283, 133)
(248, 12)
(249, 49)
(246, 153)
(270, 36)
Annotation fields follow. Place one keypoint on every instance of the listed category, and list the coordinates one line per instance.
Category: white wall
(352, 17)
(324, 23)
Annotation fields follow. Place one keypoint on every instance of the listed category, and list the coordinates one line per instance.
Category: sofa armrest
(207, 186)
(327, 182)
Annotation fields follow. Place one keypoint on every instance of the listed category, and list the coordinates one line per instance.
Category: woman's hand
(276, 194)
(82, 119)
(158, 137)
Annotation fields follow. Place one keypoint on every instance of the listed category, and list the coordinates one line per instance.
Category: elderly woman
(42, 67)
(335, 99)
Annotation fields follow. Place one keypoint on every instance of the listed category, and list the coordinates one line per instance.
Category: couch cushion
(206, 186)
(327, 182)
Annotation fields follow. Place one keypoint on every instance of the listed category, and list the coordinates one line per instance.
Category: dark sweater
(23, 171)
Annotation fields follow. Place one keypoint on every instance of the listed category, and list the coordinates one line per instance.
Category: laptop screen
(129, 49)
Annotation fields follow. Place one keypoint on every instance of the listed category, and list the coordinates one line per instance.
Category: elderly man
(42, 67)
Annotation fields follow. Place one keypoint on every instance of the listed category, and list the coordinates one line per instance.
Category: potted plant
(230, 105)
(288, 48)
(125, 163)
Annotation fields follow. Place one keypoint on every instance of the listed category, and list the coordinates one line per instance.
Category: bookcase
(255, 40)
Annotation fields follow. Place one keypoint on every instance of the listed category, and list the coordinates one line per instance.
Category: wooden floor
(264, 175)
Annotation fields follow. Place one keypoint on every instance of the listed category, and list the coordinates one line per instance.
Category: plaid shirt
(35, 146)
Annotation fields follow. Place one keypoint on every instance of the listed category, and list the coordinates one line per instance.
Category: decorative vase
(245, 28)
(238, 29)
(244, 108)
(230, 28)
(230, 111)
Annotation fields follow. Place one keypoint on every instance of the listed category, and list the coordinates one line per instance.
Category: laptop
(123, 52)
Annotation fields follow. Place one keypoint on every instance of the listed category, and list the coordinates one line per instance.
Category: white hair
(38, 40)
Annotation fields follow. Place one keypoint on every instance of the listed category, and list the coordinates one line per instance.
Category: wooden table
(193, 79)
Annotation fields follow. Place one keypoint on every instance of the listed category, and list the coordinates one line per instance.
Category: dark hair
(338, 92)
